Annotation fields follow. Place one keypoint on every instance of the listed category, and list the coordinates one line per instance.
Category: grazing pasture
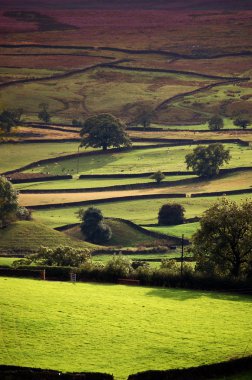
(140, 161)
(141, 212)
(13, 156)
(119, 329)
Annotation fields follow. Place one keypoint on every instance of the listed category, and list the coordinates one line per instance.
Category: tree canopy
(9, 119)
(104, 131)
(8, 202)
(93, 226)
(206, 161)
(171, 214)
(223, 244)
(215, 123)
(242, 122)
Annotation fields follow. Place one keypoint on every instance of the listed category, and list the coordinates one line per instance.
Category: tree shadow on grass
(184, 295)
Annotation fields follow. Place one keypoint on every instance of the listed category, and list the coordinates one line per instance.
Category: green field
(118, 329)
(91, 183)
(140, 211)
(13, 156)
(187, 229)
(140, 161)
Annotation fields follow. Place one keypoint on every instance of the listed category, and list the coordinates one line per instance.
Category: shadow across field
(184, 295)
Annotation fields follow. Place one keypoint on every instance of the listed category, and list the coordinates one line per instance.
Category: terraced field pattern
(185, 61)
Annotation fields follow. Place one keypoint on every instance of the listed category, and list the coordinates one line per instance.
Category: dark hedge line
(107, 200)
(204, 372)
(222, 193)
(26, 373)
(130, 175)
(133, 186)
(156, 277)
(40, 179)
(22, 272)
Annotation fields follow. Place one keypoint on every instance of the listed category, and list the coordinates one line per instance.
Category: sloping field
(13, 156)
(141, 161)
(27, 237)
(98, 90)
(118, 329)
(138, 211)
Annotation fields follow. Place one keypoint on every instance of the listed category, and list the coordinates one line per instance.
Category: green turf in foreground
(118, 329)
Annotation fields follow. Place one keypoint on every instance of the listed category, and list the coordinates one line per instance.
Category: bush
(215, 123)
(60, 256)
(23, 213)
(119, 266)
(171, 214)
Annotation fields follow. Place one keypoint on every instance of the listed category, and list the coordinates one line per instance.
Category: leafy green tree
(215, 123)
(144, 116)
(8, 202)
(93, 226)
(59, 256)
(170, 214)
(223, 243)
(206, 161)
(157, 176)
(242, 122)
(9, 119)
(104, 131)
(44, 114)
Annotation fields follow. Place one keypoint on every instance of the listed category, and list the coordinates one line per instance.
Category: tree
(8, 202)
(223, 244)
(104, 130)
(9, 119)
(171, 214)
(44, 114)
(215, 123)
(93, 226)
(144, 116)
(242, 122)
(157, 176)
(206, 161)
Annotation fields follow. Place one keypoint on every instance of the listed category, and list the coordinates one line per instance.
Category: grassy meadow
(13, 156)
(119, 329)
(141, 212)
(140, 161)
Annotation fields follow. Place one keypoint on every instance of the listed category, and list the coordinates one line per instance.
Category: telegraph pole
(182, 256)
(78, 159)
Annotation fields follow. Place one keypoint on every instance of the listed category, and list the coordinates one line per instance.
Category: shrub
(119, 266)
(171, 214)
(60, 256)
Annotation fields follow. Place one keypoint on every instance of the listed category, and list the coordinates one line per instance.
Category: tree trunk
(104, 147)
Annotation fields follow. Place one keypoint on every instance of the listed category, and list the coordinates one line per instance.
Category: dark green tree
(144, 115)
(44, 114)
(9, 119)
(223, 243)
(206, 161)
(93, 226)
(104, 131)
(157, 176)
(242, 122)
(8, 202)
(215, 123)
(171, 214)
